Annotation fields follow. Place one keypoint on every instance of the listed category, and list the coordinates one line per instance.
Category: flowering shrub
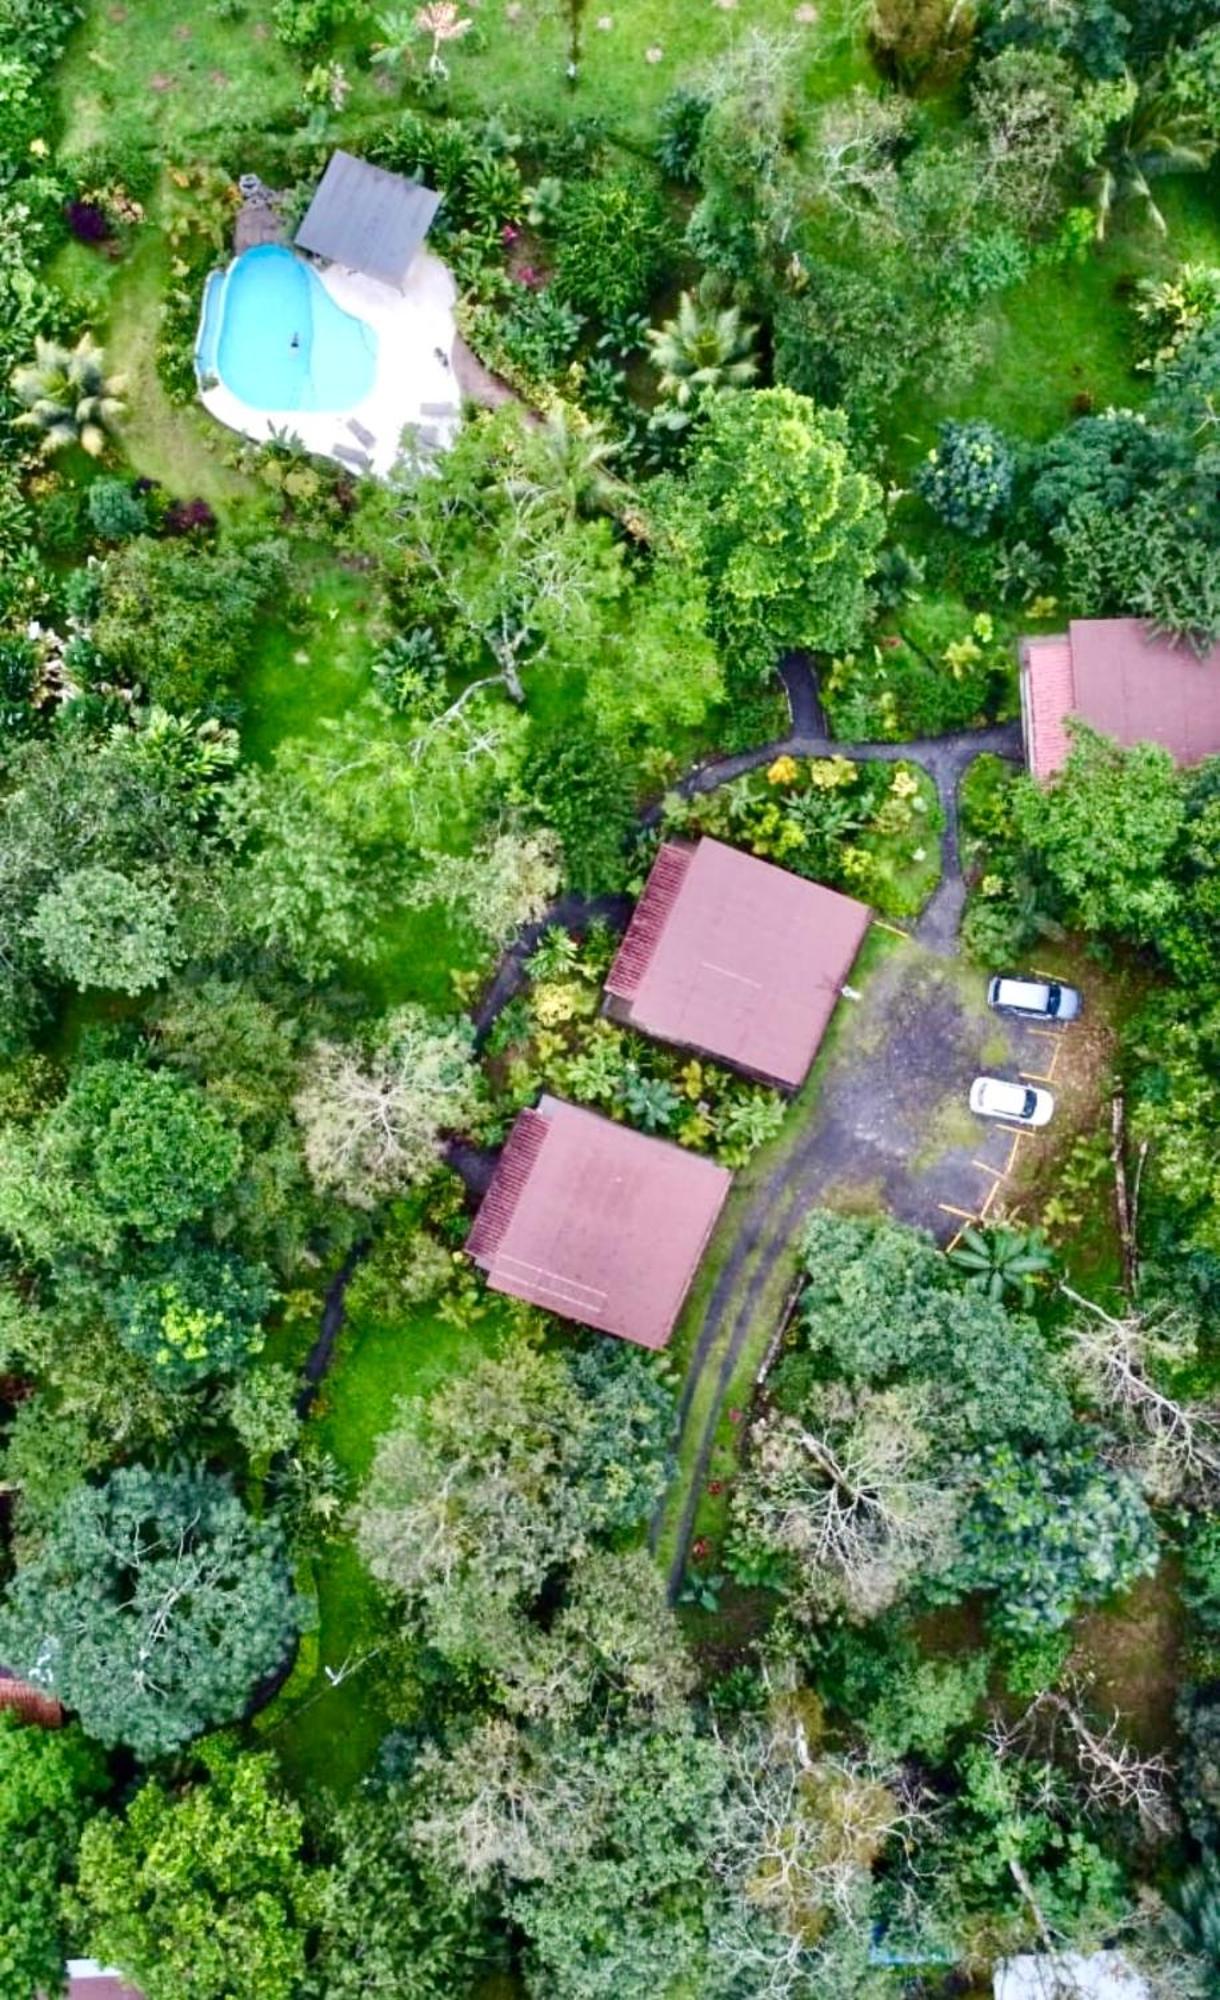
(869, 828)
(551, 1038)
(967, 477)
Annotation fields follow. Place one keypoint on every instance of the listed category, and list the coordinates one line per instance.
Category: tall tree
(152, 1608)
(786, 529)
(202, 1889)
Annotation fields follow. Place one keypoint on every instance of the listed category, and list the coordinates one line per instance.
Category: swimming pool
(272, 334)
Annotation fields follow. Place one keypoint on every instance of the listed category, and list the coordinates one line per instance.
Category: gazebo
(366, 219)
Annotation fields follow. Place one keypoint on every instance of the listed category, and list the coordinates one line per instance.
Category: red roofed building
(595, 1222)
(29, 1703)
(735, 958)
(1125, 681)
(87, 1980)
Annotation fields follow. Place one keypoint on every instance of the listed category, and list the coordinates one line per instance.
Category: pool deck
(415, 386)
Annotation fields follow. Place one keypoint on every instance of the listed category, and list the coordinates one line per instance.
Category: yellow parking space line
(1018, 1131)
(881, 925)
(1034, 1076)
(1012, 1156)
(992, 1192)
(966, 1214)
(986, 1168)
(953, 1242)
(1047, 1034)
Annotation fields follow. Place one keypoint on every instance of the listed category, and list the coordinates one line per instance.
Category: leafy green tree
(98, 928)
(67, 397)
(1048, 1534)
(202, 1889)
(152, 1608)
(127, 1148)
(504, 1482)
(176, 620)
(49, 1780)
(1104, 831)
(786, 530)
(196, 1312)
(699, 352)
(392, 1928)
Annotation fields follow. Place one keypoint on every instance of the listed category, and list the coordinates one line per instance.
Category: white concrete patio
(414, 387)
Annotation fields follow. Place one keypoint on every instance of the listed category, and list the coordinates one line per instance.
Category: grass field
(328, 1735)
(171, 71)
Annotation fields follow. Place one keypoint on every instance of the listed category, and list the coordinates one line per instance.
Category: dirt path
(888, 1126)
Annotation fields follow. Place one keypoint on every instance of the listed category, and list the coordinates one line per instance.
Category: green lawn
(327, 1735)
(1062, 341)
(171, 71)
(632, 53)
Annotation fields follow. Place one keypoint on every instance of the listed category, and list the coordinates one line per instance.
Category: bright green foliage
(197, 1313)
(967, 476)
(1104, 831)
(98, 928)
(610, 239)
(48, 1781)
(923, 1707)
(1050, 1532)
(202, 1889)
(175, 620)
(1001, 1260)
(699, 352)
(152, 1608)
(786, 530)
(880, 1306)
(390, 1928)
(128, 1148)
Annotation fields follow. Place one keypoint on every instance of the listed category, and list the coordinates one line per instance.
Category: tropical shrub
(610, 237)
(967, 477)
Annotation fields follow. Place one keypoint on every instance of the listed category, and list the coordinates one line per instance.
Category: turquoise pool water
(271, 332)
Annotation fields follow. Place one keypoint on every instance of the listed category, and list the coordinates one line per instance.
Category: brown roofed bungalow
(29, 1703)
(1125, 681)
(595, 1222)
(735, 958)
(87, 1980)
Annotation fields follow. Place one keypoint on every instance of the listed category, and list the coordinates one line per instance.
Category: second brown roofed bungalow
(1127, 682)
(736, 959)
(595, 1222)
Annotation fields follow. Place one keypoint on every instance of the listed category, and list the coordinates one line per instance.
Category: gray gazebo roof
(367, 219)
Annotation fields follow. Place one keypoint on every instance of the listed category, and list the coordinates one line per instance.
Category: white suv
(1039, 999)
(1020, 1103)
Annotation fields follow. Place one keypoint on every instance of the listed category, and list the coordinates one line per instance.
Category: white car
(1020, 1103)
(1033, 999)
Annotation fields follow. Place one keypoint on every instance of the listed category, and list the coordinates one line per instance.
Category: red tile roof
(1125, 681)
(32, 1704)
(595, 1222)
(736, 958)
(87, 1980)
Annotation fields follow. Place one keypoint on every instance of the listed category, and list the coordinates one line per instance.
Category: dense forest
(401, 1637)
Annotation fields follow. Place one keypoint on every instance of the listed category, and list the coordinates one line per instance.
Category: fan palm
(1160, 135)
(699, 352)
(570, 463)
(995, 1261)
(67, 395)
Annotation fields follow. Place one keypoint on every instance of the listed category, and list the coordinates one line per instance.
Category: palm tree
(570, 463)
(700, 352)
(1161, 135)
(67, 395)
(995, 1261)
